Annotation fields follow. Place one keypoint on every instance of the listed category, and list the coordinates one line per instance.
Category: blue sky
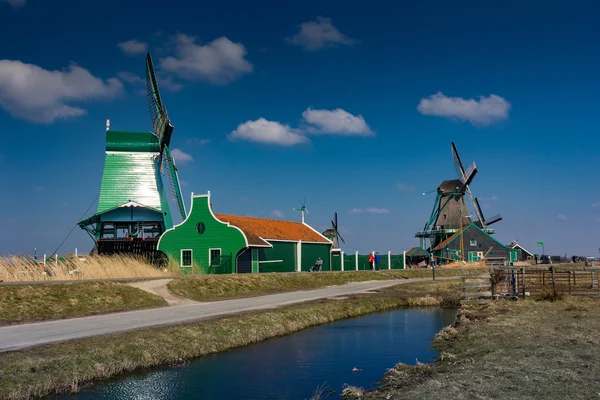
(351, 105)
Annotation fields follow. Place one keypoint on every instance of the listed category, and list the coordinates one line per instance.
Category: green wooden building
(220, 243)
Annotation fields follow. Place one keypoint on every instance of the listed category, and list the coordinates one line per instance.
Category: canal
(293, 366)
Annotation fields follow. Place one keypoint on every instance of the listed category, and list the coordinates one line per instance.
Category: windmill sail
(467, 177)
(158, 112)
(171, 173)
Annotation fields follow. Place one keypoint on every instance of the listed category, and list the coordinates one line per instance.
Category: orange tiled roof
(449, 239)
(257, 229)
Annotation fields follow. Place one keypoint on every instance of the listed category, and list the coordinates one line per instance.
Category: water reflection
(291, 367)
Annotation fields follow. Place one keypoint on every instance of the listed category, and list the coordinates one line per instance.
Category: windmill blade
(158, 113)
(340, 237)
(478, 209)
(460, 171)
(493, 219)
(171, 173)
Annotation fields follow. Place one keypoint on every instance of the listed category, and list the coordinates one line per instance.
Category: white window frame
(210, 258)
(471, 242)
(191, 258)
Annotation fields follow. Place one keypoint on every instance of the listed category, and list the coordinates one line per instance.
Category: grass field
(508, 350)
(216, 287)
(30, 303)
(40, 370)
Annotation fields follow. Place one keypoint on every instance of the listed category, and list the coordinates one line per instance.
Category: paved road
(22, 336)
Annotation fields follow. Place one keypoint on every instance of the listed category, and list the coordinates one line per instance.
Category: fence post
(593, 279)
(404, 259)
(342, 260)
(44, 261)
(56, 259)
(356, 260)
(523, 281)
(390, 259)
(553, 280)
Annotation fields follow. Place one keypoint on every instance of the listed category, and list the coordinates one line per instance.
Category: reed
(25, 269)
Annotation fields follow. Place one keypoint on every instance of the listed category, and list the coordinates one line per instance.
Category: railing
(514, 283)
(476, 289)
(220, 265)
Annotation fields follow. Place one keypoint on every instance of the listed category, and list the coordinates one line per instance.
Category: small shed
(222, 243)
(417, 255)
(522, 253)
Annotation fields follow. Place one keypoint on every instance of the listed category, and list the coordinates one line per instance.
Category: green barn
(219, 243)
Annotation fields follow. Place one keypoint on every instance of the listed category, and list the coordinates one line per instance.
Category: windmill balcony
(437, 232)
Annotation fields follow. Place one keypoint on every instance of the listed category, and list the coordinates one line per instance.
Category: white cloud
(163, 82)
(180, 156)
(336, 121)
(31, 92)
(131, 78)
(562, 217)
(270, 132)
(198, 141)
(133, 47)
(315, 35)
(370, 210)
(16, 3)
(277, 214)
(595, 205)
(401, 186)
(486, 111)
(169, 84)
(220, 61)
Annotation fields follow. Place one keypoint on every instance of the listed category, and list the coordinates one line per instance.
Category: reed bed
(25, 269)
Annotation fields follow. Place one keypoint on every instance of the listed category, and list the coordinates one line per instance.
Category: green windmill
(133, 207)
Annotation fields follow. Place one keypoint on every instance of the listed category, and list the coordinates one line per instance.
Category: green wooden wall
(216, 235)
(285, 251)
(312, 251)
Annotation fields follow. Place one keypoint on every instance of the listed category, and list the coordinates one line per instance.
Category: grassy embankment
(65, 366)
(20, 304)
(218, 287)
(508, 350)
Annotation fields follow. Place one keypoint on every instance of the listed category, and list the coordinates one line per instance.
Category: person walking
(371, 260)
(377, 259)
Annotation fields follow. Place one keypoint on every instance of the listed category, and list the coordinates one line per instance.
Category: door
(472, 256)
(513, 256)
(243, 261)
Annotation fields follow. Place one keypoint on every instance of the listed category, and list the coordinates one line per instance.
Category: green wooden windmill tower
(133, 209)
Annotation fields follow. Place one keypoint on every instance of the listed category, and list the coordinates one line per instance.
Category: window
(214, 257)
(186, 258)
(200, 228)
(473, 242)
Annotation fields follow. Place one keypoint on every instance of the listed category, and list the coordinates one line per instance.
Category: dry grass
(231, 286)
(24, 269)
(508, 350)
(30, 303)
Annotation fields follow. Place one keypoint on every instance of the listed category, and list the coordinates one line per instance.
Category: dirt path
(159, 288)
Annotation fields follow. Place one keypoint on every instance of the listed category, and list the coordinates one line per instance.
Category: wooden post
(574, 278)
(553, 280)
(493, 283)
(593, 279)
(389, 260)
(523, 281)
(356, 260)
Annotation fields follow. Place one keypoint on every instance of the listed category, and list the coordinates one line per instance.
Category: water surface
(291, 367)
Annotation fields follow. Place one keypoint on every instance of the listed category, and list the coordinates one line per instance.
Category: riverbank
(524, 349)
(61, 367)
(43, 302)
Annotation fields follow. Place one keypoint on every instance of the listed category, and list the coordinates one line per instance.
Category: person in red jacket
(371, 260)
